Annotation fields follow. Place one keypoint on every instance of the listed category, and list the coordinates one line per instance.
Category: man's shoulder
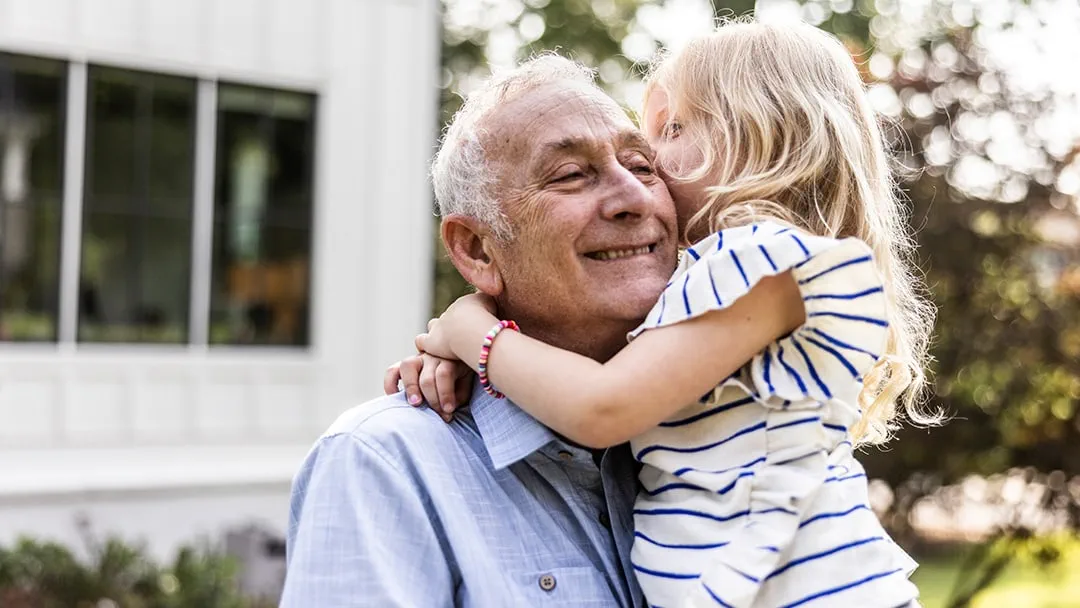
(394, 428)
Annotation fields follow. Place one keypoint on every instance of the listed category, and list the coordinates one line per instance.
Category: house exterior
(214, 237)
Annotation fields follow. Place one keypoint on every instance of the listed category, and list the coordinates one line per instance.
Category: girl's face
(676, 156)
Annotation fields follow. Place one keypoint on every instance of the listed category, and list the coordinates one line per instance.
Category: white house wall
(373, 66)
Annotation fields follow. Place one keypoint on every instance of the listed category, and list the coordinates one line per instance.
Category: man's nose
(627, 198)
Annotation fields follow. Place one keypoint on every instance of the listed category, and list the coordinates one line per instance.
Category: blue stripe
(672, 486)
(716, 410)
(782, 231)
(662, 574)
(819, 555)
(693, 254)
(811, 368)
(821, 516)
(845, 478)
(715, 293)
(738, 265)
(716, 598)
(655, 448)
(692, 513)
(835, 353)
(663, 303)
(775, 510)
(861, 260)
(720, 240)
(836, 427)
(851, 585)
(731, 486)
(685, 297)
(795, 423)
(801, 246)
(768, 371)
(753, 229)
(767, 258)
(752, 579)
(840, 343)
(790, 370)
(845, 296)
(797, 458)
(671, 546)
(840, 315)
(720, 471)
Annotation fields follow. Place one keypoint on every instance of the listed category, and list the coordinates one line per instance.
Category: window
(262, 217)
(135, 278)
(139, 271)
(31, 189)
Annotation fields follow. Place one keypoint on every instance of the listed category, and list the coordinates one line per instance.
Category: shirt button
(547, 582)
(605, 520)
(565, 456)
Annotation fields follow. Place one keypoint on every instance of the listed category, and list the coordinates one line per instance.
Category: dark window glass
(140, 166)
(32, 95)
(262, 217)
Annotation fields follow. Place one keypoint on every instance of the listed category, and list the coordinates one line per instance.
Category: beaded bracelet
(485, 351)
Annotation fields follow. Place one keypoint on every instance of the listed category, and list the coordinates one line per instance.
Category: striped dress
(752, 496)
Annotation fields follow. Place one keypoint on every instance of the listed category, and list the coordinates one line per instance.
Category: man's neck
(599, 341)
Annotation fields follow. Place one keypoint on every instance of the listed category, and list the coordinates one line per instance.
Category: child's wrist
(467, 342)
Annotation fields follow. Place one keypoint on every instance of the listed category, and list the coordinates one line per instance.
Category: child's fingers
(428, 384)
(444, 385)
(390, 380)
(409, 370)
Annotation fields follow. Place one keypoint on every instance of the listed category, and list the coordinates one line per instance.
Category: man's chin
(633, 307)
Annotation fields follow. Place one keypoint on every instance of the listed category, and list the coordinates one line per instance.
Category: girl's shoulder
(843, 294)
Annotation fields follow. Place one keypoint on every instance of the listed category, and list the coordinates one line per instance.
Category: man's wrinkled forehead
(519, 128)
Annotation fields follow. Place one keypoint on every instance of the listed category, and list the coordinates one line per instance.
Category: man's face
(594, 225)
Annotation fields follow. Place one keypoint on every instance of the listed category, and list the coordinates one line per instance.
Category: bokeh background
(982, 103)
(981, 99)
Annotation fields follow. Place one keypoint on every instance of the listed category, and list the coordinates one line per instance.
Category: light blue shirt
(394, 507)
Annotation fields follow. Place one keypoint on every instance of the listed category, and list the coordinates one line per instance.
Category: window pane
(262, 217)
(31, 178)
(140, 166)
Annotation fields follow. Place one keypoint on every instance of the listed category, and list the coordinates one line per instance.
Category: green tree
(990, 165)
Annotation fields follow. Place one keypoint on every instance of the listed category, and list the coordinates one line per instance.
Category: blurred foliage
(35, 574)
(1000, 252)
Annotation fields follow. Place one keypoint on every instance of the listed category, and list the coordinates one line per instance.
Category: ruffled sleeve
(846, 326)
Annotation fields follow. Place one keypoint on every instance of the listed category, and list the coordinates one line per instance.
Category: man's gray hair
(463, 176)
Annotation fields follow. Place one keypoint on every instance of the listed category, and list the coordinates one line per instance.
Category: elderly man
(395, 508)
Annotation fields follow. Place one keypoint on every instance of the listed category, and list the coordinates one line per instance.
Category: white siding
(66, 408)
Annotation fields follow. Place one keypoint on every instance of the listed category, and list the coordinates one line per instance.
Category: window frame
(74, 106)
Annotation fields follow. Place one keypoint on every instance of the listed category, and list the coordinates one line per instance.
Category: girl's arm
(659, 373)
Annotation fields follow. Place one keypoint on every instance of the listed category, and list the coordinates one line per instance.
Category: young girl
(794, 312)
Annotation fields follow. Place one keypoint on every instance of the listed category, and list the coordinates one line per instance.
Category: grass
(1022, 585)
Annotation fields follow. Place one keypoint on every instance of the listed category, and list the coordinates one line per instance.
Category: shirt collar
(509, 434)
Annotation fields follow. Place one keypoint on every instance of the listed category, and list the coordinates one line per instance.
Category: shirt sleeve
(846, 324)
(361, 533)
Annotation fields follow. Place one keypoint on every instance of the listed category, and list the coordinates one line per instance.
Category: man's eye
(642, 168)
(568, 176)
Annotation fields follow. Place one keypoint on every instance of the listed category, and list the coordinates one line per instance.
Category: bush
(36, 574)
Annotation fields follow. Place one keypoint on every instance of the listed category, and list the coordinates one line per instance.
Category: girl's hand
(443, 384)
(458, 333)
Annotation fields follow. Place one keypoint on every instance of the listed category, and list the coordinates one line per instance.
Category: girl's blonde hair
(786, 132)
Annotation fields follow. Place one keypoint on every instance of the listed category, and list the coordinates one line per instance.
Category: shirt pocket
(568, 586)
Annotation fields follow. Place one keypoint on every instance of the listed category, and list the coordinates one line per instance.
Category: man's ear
(469, 245)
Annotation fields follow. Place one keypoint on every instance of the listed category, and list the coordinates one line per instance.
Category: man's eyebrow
(565, 144)
(634, 139)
